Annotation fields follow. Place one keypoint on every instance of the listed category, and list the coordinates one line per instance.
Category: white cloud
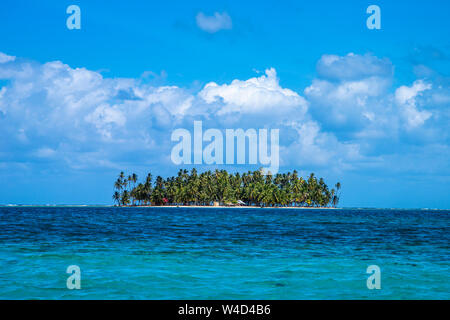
(314, 147)
(407, 95)
(212, 24)
(175, 101)
(77, 116)
(73, 111)
(262, 101)
(54, 112)
(104, 116)
(353, 67)
(406, 98)
(360, 106)
(350, 104)
(5, 58)
(256, 95)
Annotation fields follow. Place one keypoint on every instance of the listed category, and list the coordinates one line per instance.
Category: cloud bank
(349, 118)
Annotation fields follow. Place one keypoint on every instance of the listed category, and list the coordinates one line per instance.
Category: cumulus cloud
(406, 98)
(362, 108)
(255, 95)
(74, 111)
(52, 112)
(214, 23)
(353, 67)
(104, 117)
(351, 92)
(314, 147)
(261, 101)
(77, 116)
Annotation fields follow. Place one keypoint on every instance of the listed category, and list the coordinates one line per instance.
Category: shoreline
(212, 207)
(224, 207)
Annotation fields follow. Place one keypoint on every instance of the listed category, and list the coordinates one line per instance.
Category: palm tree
(336, 196)
(122, 176)
(118, 185)
(254, 188)
(125, 198)
(134, 178)
(116, 197)
(158, 193)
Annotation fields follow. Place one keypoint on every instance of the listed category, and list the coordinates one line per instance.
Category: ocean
(223, 253)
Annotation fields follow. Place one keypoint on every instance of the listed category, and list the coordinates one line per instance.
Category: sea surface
(215, 253)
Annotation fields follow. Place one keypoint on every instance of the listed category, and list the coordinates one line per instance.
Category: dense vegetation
(252, 188)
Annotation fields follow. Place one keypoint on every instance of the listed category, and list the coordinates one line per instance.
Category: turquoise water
(208, 253)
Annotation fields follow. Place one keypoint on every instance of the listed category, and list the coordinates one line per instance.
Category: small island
(220, 188)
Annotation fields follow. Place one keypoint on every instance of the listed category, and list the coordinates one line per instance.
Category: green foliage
(253, 188)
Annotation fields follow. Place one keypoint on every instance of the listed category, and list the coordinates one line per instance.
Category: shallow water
(208, 253)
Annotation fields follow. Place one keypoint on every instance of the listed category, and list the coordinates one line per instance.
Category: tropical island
(220, 188)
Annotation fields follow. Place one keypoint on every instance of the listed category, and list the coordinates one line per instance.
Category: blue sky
(369, 108)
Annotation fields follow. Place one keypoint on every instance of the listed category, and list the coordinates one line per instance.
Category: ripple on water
(179, 253)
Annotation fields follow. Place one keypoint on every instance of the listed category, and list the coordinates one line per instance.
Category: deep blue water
(191, 253)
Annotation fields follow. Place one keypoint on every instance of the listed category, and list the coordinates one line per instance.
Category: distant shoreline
(150, 206)
(212, 207)
(224, 207)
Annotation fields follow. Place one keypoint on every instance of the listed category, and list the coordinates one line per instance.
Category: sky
(366, 107)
